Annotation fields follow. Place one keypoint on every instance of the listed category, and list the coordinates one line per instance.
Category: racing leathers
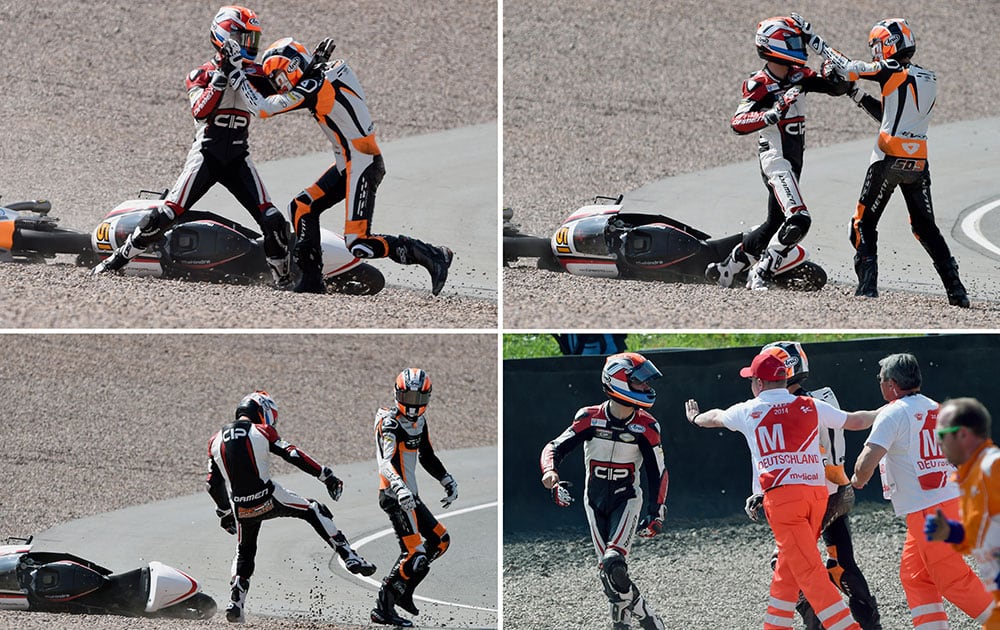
(401, 442)
(841, 565)
(899, 158)
(219, 155)
(239, 481)
(336, 100)
(616, 451)
(775, 109)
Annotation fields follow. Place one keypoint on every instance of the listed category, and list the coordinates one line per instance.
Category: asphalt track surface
(297, 575)
(440, 188)
(963, 170)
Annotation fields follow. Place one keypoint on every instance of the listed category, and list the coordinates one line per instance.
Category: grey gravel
(603, 98)
(94, 109)
(698, 574)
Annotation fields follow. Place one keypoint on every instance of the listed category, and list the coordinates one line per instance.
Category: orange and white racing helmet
(793, 356)
(891, 39)
(239, 24)
(284, 62)
(413, 392)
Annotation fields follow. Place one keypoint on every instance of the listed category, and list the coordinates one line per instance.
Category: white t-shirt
(782, 432)
(914, 471)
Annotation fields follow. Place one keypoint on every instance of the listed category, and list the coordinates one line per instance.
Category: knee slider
(441, 547)
(614, 572)
(320, 509)
(794, 228)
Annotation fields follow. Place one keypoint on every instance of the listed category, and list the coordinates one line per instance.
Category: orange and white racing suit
(782, 431)
(979, 482)
(401, 443)
(899, 157)
(915, 477)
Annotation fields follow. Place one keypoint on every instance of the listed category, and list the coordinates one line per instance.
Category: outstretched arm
(704, 419)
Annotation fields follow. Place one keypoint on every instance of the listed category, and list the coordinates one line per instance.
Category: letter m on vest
(770, 438)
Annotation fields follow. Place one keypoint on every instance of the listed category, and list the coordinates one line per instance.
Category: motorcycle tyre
(364, 279)
(198, 606)
(806, 277)
(525, 246)
(55, 241)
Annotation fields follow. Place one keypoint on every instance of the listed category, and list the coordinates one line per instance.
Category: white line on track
(385, 532)
(970, 225)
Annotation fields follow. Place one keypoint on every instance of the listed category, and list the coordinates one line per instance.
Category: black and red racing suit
(781, 146)
(614, 451)
(239, 478)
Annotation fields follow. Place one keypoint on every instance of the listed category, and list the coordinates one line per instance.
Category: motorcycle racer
(239, 481)
(899, 157)
(217, 91)
(619, 438)
(402, 439)
(773, 106)
(331, 92)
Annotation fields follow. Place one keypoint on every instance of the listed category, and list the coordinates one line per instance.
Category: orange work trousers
(795, 513)
(932, 570)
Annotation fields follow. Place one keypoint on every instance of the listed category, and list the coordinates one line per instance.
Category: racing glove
(334, 486)
(451, 491)
(405, 498)
(781, 105)
(753, 506)
(226, 520)
(561, 495)
(652, 524)
(815, 41)
(231, 59)
(938, 527)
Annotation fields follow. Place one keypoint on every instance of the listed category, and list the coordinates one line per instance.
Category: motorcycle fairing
(168, 586)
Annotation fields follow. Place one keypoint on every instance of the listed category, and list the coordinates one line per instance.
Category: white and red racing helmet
(780, 40)
(259, 408)
(239, 24)
(626, 379)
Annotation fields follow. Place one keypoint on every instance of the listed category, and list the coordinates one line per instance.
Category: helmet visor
(248, 41)
(411, 398)
(645, 372)
(794, 43)
(279, 81)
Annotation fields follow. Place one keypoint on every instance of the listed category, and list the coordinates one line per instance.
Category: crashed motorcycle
(50, 581)
(600, 240)
(201, 246)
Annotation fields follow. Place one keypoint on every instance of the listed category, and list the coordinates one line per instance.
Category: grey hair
(902, 368)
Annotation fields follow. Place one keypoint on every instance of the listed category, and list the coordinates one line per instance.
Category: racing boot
(948, 270)
(280, 267)
(762, 272)
(309, 258)
(435, 260)
(385, 609)
(723, 273)
(352, 561)
(866, 267)
(237, 598)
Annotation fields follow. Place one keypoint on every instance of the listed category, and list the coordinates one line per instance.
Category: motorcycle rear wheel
(806, 277)
(364, 279)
